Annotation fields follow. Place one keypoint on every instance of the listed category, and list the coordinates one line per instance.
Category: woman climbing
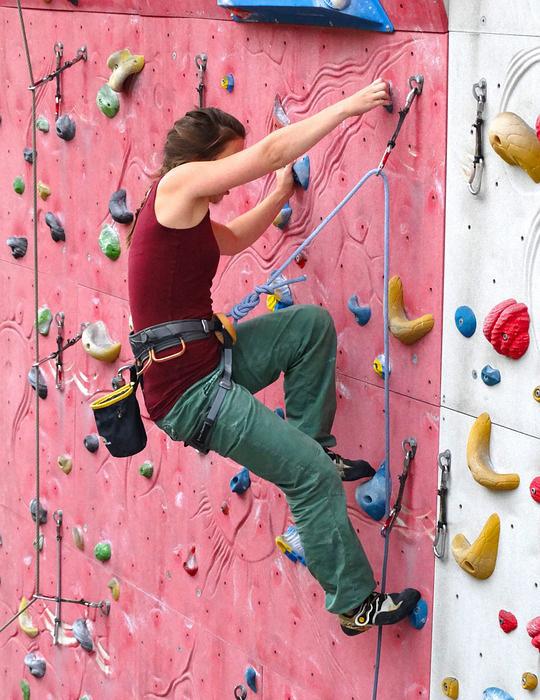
(173, 257)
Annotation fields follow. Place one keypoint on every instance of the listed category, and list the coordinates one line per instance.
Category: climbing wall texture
(490, 256)
(171, 634)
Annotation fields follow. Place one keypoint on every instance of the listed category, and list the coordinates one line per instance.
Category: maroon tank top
(170, 273)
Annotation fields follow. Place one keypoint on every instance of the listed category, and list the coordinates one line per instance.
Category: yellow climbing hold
(44, 190)
(114, 585)
(516, 143)
(450, 687)
(529, 681)
(123, 64)
(406, 330)
(479, 460)
(97, 342)
(479, 558)
(65, 462)
(25, 621)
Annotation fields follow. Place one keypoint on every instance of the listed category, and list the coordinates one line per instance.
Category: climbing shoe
(380, 609)
(350, 469)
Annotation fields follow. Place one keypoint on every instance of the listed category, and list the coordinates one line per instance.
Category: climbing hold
(25, 689)
(405, 330)
(507, 621)
(537, 125)
(146, 469)
(65, 127)
(379, 366)
(57, 230)
(65, 462)
(40, 381)
(44, 320)
(42, 124)
(109, 242)
(98, 344)
(535, 489)
(91, 442)
(479, 558)
(479, 460)
(114, 586)
(44, 190)
(490, 375)
(18, 245)
(78, 537)
(224, 507)
(280, 116)
(82, 635)
(25, 621)
(536, 391)
(241, 481)
(282, 219)
(102, 551)
(107, 101)
(496, 694)
(300, 259)
(371, 496)
(291, 545)
(300, 172)
(282, 296)
(533, 627)
(361, 313)
(123, 64)
(118, 207)
(450, 687)
(529, 681)
(516, 143)
(39, 546)
(227, 82)
(418, 617)
(251, 678)
(34, 511)
(28, 155)
(18, 185)
(507, 328)
(279, 412)
(35, 665)
(191, 565)
(465, 321)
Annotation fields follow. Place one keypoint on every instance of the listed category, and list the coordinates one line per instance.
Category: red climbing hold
(535, 488)
(533, 627)
(507, 328)
(190, 565)
(507, 621)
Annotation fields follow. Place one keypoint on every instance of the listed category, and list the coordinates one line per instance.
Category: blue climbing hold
(282, 219)
(496, 694)
(279, 412)
(241, 481)
(291, 545)
(300, 171)
(418, 617)
(251, 678)
(361, 313)
(465, 321)
(490, 375)
(371, 496)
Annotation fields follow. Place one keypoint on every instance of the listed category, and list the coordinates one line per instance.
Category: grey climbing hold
(44, 320)
(18, 245)
(18, 185)
(91, 442)
(107, 101)
(109, 242)
(37, 381)
(57, 230)
(34, 511)
(82, 635)
(28, 155)
(118, 207)
(65, 127)
(35, 665)
(42, 124)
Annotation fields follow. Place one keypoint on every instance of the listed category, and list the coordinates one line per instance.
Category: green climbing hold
(25, 688)
(102, 551)
(146, 469)
(18, 185)
(42, 124)
(44, 190)
(107, 101)
(44, 320)
(109, 242)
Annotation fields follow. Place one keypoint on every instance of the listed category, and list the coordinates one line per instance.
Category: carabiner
(201, 59)
(479, 91)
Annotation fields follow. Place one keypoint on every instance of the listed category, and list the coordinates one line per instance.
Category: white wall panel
(495, 16)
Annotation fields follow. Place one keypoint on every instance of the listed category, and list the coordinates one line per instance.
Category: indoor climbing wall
(199, 591)
(489, 377)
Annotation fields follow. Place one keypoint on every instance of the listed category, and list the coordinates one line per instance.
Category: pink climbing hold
(507, 328)
(507, 621)
(191, 565)
(535, 489)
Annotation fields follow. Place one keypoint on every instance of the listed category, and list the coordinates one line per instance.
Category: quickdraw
(201, 59)
(439, 544)
(58, 52)
(480, 95)
(409, 448)
(58, 354)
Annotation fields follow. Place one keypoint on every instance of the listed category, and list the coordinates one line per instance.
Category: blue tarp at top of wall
(352, 14)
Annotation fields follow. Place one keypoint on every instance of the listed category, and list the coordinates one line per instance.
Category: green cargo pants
(299, 341)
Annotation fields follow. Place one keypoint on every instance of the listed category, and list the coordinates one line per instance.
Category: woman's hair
(199, 135)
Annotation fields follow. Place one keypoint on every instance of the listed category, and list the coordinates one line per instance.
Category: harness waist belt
(167, 335)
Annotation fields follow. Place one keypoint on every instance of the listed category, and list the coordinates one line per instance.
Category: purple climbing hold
(57, 230)
(65, 127)
(18, 245)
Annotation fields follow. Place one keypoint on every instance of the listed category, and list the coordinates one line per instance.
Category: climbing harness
(409, 448)
(480, 95)
(439, 544)
(58, 354)
(201, 59)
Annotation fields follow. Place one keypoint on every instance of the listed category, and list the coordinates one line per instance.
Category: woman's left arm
(243, 231)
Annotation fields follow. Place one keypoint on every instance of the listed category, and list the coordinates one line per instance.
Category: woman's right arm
(206, 178)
